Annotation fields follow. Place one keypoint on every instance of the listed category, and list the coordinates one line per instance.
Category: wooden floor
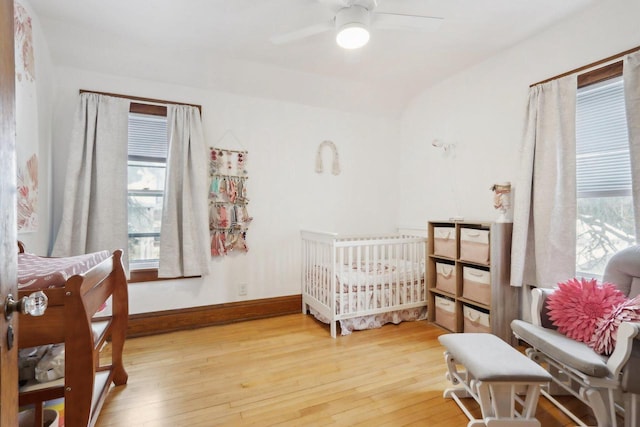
(287, 371)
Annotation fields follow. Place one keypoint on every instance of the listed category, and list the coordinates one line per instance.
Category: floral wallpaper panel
(27, 138)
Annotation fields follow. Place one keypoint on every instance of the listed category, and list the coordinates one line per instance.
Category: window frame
(601, 74)
(607, 72)
(148, 274)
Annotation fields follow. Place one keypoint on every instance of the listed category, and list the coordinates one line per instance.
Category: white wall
(391, 173)
(482, 111)
(38, 241)
(285, 192)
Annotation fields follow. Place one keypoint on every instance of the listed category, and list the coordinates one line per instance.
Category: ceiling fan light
(353, 27)
(352, 36)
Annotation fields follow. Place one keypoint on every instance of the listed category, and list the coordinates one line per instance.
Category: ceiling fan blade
(396, 21)
(301, 33)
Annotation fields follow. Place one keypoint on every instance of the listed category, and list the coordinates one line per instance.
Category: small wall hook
(439, 144)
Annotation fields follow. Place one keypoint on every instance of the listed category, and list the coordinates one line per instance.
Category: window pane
(143, 249)
(145, 212)
(605, 226)
(146, 176)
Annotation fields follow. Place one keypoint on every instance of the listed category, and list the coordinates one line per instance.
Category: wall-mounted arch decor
(335, 164)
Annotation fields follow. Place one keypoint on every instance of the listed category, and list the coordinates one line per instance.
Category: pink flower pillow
(578, 304)
(604, 337)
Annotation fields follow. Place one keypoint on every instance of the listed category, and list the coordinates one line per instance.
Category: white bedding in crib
(395, 271)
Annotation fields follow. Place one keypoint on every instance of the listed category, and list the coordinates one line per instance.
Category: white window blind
(147, 137)
(602, 144)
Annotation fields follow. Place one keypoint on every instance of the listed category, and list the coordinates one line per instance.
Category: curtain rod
(586, 67)
(137, 98)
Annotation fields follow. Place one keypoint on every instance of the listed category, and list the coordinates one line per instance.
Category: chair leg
(631, 408)
(601, 410)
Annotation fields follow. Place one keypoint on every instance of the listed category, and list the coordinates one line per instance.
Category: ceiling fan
(354, 18)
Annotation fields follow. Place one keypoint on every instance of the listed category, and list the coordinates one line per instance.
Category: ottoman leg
(497, 403)
(460, 379)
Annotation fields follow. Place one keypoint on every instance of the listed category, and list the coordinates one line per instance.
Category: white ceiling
(224, 44)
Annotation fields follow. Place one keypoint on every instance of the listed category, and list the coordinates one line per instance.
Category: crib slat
(353, 259)
(364, 289)
(340, 290)
(409, 276)
(384, 260)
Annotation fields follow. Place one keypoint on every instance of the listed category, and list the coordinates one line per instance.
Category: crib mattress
(36, 272)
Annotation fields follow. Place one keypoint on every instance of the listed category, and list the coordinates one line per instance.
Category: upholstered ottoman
(505, 383)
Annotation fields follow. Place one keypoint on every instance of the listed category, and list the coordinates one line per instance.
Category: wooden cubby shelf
(449, 254)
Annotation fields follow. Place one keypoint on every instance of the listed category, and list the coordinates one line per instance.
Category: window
(147, 162)
(603, 168)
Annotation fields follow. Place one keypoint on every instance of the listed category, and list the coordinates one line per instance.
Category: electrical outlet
(242, 289)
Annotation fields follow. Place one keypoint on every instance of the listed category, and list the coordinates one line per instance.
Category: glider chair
(609, 385)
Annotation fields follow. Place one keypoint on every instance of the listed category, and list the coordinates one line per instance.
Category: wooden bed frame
(69, 319)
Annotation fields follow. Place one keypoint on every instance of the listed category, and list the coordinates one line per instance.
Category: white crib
(363, 281)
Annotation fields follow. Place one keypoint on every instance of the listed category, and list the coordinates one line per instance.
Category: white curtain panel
(631, 76)
(544, 226)
(184, 237)
(94, 215)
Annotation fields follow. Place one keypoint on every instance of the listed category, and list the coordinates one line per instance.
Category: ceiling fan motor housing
(354, 15)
